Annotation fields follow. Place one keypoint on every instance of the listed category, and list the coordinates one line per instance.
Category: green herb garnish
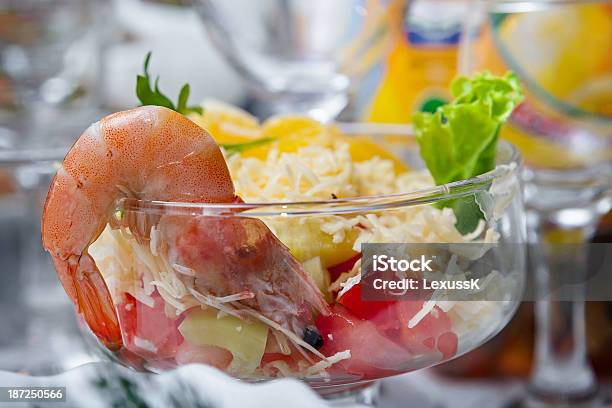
(459, 140)
(232, 148)
(153, 96)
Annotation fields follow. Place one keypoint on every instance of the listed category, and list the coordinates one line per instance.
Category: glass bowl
(216, 284)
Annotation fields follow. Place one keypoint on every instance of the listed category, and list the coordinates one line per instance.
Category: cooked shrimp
(222, 249)
(153, 153)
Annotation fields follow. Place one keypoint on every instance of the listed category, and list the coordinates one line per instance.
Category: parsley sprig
(149, 95)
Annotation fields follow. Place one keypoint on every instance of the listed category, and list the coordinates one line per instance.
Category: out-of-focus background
(66, 63)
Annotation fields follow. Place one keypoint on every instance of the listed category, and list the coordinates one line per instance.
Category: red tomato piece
(372, 354)
(378, 311)
(146, 328)
(432, 333)
(336, 270)
(447, 344)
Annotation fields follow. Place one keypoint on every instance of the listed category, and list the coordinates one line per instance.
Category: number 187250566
(15, 394)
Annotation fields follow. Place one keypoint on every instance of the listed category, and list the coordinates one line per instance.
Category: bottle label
(435, 22)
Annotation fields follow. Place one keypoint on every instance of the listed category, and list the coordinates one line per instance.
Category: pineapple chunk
(306, 240)
(245, 340)
(319, 275)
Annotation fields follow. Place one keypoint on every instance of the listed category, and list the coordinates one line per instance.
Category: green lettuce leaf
(459, 140)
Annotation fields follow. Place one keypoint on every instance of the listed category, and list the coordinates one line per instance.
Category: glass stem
(561, 369)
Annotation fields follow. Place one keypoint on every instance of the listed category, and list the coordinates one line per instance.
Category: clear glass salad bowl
(161, 263)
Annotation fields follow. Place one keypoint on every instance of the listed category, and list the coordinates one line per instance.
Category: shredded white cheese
(350, 282)
(425, 310)
(322, 365)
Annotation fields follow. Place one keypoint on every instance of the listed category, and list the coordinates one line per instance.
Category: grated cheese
(350, 282)
(183, 269)
(425, 310)
(322, 365)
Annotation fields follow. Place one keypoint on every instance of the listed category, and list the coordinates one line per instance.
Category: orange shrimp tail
(85, 285)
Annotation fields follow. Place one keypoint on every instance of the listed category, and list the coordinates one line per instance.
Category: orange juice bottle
(422, 64)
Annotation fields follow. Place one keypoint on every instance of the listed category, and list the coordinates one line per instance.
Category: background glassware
(48, 68)
(302, 56)
(508, 225)
(39, 335)
(49, 60)
(38, 44)
(560, 51)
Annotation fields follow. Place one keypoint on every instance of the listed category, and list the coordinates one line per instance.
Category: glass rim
(526, 6)
(456, 189)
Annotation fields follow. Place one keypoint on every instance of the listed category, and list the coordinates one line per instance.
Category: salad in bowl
(199, 235)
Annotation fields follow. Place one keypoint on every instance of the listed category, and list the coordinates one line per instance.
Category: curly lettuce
(459, 140)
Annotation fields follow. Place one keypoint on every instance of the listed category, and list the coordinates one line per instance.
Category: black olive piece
(312, 337)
